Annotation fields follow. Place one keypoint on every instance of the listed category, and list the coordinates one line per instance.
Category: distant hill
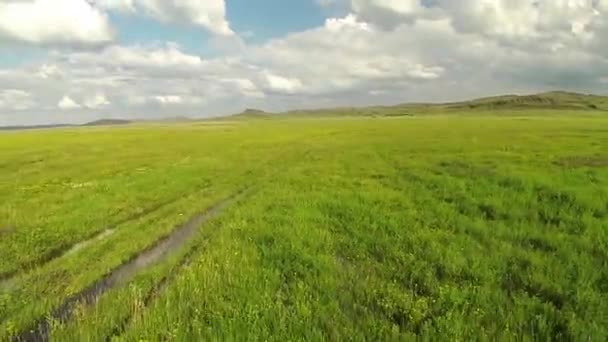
(19, 128)
(102, 122)
(549, 100)
(555, 100)
(253, 113)
(108, 122)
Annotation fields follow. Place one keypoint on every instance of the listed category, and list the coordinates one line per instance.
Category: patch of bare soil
(584, 161)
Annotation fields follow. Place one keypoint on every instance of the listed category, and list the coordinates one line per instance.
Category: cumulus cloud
(390, 13)
(87, 22)
(136, 81)
(502, 44)
(137, 56)
(49, 71)
(350, 21)
(65, 22)
(168, 99)
(96, 101)
(283, 84)
(245, 87)
(119, 5)
(210, 14)
(375, 51)
(523, 23)
(67, 103)
(344, 54)
(15, 99)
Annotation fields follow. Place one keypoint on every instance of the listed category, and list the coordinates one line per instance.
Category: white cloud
(86, 22)
(350, 21)
(377, 51)
(168, 99)
(523, 23)
(425, 73)
(54, 22)
(120, 5)
(15, 99)
(343, 55)
(67, 103)
(210, 14)
(49, 71)
(165, 100)
(527, 20)
(375, 92)
(283, 84)
(96, 101)
(405, 7)
(246, 87)
(141, 56)
(389, 13)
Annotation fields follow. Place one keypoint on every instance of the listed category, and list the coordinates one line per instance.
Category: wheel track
(157, 252)
(153, 293)
(8, 277)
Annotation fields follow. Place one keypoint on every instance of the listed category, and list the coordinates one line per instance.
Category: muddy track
(61, 251)
(153, 293)
(159, 251)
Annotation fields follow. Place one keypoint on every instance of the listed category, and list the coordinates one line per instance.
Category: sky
(74, 61)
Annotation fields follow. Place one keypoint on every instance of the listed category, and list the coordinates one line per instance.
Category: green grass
(443, 227)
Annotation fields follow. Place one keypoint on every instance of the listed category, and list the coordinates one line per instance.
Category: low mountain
(252, 113)
(554, 100)
(550, 100)
(20, 128)
(108, 122)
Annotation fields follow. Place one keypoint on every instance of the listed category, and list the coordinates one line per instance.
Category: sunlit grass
(447, 227)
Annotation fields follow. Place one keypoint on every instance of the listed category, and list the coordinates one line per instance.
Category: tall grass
(451, 228)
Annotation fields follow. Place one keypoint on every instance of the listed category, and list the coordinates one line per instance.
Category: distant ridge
(19, 128)
(101, 122)
(108, 122)
(548, 100)
(553, 100)
(251, 112)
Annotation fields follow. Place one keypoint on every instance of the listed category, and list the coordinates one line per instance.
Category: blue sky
(274, 18)
(143, 30)
(80, 60)
(11, 56)
(254, 21)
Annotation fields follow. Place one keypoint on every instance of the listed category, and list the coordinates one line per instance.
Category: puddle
(86, 243)
(5, 231)
(7, 284)
(584, 161)
(155, 292)
(126, 272)
(6, 279)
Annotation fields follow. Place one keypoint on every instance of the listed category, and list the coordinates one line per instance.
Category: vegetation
(450, 227)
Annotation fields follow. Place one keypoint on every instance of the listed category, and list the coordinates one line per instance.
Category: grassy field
(447, 227)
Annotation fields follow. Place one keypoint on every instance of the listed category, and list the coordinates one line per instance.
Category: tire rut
(7, 278)
(159, 251)
(153, 294)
